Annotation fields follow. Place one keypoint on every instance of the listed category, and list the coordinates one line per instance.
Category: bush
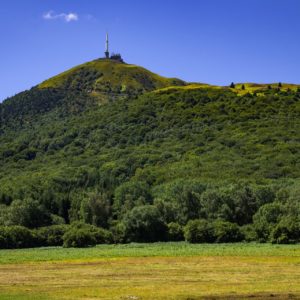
(84, 235)
(265, 219)
(227, 232)
(79, 238)
(17, 237)
(144, 224)
(287, 231)
(29, 213)
(199, 231)
(249, 233)
(103, 236)
(51, 235)
(118, 232)
(175, 232)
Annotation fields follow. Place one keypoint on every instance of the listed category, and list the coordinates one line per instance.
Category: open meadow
(152, 271)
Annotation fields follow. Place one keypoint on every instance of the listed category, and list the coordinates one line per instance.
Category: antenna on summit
(106, 47)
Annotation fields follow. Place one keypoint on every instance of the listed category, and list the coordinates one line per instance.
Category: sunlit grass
(151, 271)
(147, 250)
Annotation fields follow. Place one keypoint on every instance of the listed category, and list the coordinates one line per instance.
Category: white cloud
(50, 15)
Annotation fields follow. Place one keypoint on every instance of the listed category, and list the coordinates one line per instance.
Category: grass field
(152, 271)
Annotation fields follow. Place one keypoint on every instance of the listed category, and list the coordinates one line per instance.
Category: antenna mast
(106, 47)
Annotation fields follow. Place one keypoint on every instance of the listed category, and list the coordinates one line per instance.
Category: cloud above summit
(67, 17)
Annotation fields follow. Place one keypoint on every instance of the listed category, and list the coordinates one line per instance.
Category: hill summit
(109, 76)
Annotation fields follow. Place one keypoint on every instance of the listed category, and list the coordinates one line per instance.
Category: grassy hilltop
(106, 75)
(99, 142)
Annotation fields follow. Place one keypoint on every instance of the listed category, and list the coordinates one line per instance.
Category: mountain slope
(158, 143)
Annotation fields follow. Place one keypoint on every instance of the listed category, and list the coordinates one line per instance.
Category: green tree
(287, 231)
(199, 231)
(179, 201)
(175, 232)
(131, 194)
(144, 224)
(29, 213)
(227, 232)
(266, 218)
(96, 209)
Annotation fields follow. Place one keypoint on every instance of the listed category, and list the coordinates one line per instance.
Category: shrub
(29, 213)
(84, 235)
(103, 236)
(175, 232)
(226, 232)
(79, 238)
(17, 237)
(118, 233)
(249, 233)
(265, 219)
(287, 231)
(199, 231)
(51, 235)
(144, 224)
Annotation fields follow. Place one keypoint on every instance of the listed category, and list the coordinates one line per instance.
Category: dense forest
(112, 153)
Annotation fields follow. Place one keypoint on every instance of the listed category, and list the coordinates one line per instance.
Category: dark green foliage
(95, 209)
(179, 201)
(51, 235)
(249, 233)
(232, 85)
(29, 213)
(243, 87)
(131, 194)
(287, 231)
(203, 231)
(79, 238)
(175, 232)
(17, 237)
(266, 219)
(199, 231)
(144, 224)
(84, 235)
(227, 232)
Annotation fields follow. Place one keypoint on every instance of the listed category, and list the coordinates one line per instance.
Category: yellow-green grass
(249, 87)
(125, 77)
(152, 271)
(115, 73)
(255, 87)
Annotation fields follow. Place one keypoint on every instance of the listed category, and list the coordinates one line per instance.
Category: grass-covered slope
(109, 76)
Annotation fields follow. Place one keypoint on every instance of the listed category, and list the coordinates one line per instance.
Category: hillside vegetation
(116, 146)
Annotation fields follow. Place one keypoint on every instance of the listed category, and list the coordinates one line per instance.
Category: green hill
(109, 76)
(102, 138)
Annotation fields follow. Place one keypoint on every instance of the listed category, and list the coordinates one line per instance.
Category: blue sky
(213, 41)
